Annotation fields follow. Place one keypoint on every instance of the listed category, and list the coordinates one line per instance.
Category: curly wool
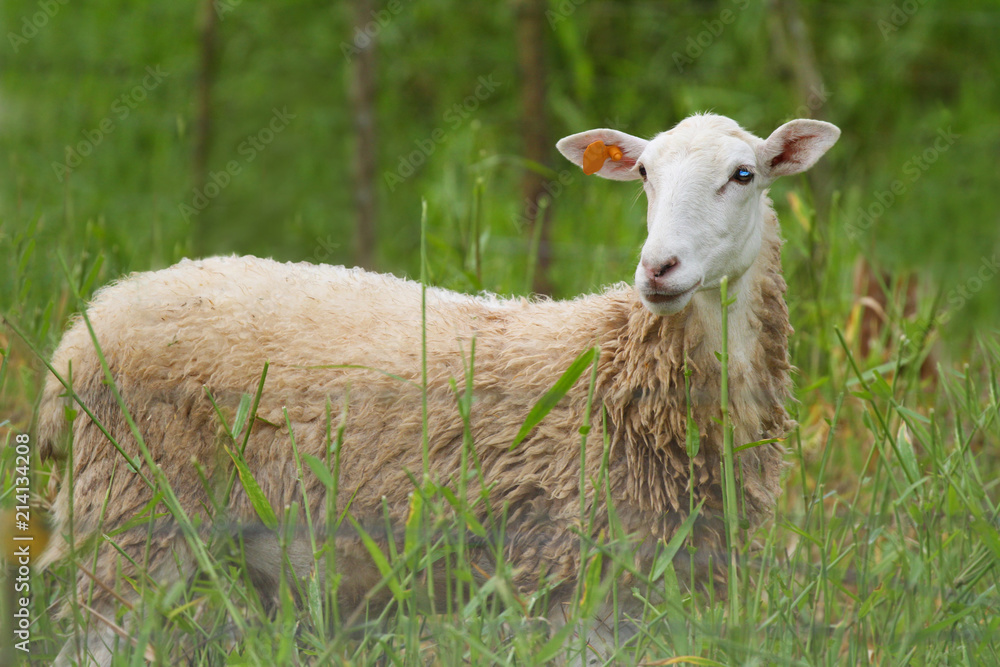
(334, 336)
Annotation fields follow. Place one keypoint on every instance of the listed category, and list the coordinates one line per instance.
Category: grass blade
(256, 495)
(555, 394)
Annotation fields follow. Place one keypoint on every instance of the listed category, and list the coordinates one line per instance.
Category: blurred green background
(134, 134)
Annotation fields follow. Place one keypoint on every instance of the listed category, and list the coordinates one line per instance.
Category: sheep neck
(705, 314)
(643, 386)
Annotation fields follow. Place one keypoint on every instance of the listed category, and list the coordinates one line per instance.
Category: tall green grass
(883, 549)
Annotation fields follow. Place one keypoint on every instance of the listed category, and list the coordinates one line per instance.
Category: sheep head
(706, 184)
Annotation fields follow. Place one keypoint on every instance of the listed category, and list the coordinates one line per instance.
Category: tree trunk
(363, 113)
(530, 29)
(794, 50)
(791, 40)
(208, 61)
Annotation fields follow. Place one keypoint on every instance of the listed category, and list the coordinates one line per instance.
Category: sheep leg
(600, 631)
(267, 560)
(96, 650)
(162, 558)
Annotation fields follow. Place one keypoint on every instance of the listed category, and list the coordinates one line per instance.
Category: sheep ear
(623, 169)
(796, 146)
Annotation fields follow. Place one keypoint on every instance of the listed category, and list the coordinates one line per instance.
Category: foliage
(885, 544)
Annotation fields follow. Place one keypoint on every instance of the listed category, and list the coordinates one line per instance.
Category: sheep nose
(659, 270)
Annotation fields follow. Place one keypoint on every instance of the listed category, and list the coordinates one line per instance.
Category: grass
(882, 551)
(884, 544)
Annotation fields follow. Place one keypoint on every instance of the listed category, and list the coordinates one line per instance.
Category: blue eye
(742, 175)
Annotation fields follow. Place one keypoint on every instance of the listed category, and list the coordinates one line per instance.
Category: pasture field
(885, 546)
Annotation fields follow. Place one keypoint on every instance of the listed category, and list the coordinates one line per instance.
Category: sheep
(334, 335)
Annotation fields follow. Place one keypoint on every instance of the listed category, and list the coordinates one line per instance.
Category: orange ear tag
(595, 155)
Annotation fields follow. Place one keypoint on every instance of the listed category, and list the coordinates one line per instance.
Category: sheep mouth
(662, 297)
(658, 297)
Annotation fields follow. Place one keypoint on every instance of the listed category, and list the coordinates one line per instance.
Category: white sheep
(332, 334)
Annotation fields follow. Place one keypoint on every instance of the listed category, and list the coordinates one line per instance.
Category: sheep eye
(642, 172)
(742, 175)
